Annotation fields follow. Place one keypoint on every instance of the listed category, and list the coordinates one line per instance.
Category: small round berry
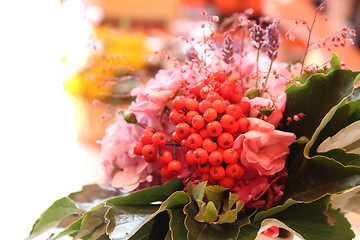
(213, 96)
(174, 167)
(219, 106)
(205, 91)
(189, 157)
(166, 173)
(225, 140)
(200, 156)
(194, 141)
(204, 168)
(243, 124)
(149, 151)
(245, 106)
(214, 128)
(235, 171)
(165, 158)
(192, 104)
(176, 138)
(178, 103)
(203, 133)
(138, 148)
(226, 91)
(220, 76)
(209, 145)
(196, 89)
(230, 156)
(159, 139)
(198, 122)
(233, 129)
(204, 105)
(146, 137)
(234, 110)
(227, 182)
(210, 115)
(215, 158)
(182, 130)
(227, 121)
(174, 116)
(217, 172)
(190, 115)
(237, 95)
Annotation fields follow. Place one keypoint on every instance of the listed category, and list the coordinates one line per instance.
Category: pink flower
(264, 148)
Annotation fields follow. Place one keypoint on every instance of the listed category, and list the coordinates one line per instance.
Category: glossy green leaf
(338, 118)
(177, 225)
(215, 194)
(93, 224)
(148, 195)
(315, 98)
(53, 216)
(348, 201)
(319, 176)
(198, 230)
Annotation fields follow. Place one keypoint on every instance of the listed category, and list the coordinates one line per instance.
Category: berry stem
(268, 74)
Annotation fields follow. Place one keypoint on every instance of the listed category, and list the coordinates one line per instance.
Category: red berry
(220, 76)
(234, 110)
(204, 105)
(159, 139)
(190, 115)
(196, 89)
(178, 103)
(215, 158)
(189, 157)
(138, 148)
(237, 95)
(204, 168)
(227, 182)
(176, 138)
(227, 121)
(234, 171)
(194, 141)
(146, 137)
(215, 84)
(203, 133)
(243, 124)
(217, 172)
(200, 156)
(192, 104)
(205, 91)
(174, 167)
(166, 173)
(174, 116)
(182, 130)
(233, 129)
(226, 91)
(209, 145)
(245, 106)
(214, 129)
(210, 115)
(165, 158)
(149, 129)
(225, 140)
(230, 156)
(205, 177)
(213, 96)
(149, 151)
(219, 106)
(198, 122)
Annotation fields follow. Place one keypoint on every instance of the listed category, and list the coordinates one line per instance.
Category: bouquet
(228, 144)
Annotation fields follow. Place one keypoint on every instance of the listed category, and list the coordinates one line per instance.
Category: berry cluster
(207, 121)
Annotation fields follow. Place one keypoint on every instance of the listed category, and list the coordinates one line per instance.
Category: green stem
(268, 74)
(257, 67)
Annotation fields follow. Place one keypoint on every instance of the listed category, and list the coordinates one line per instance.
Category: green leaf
(232, 199)
(315, 220)
(177, 225)
(127, 220)
(53, 216)
(231, 215)
(93, 224)
(198, 230)
(211, 213)
(335, 62)
(315, 98)
(319, 176)
(196, 193)
(339, 117)
(215, 194)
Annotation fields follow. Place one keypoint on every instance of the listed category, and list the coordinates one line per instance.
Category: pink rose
(264, 148)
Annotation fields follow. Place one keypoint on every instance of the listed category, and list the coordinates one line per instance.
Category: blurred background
(66, 64)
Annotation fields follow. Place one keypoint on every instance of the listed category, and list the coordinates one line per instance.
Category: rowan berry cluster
(207, 121)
